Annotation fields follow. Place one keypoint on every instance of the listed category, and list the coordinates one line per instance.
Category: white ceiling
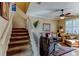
(47, 9)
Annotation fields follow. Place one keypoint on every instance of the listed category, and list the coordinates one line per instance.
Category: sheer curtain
(72, 26)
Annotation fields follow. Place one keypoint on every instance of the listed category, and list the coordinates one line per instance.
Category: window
(72, 26)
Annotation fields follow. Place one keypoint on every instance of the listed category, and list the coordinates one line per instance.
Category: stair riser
(19, 39)
(19, 31)
(10, 53)
(18, 44)
(20, 35)
(16, 37)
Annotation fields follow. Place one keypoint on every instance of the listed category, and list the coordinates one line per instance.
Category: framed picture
(5, 10)
(46, 27)
(13, 7)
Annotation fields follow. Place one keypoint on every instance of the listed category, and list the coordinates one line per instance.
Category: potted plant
(36, 23)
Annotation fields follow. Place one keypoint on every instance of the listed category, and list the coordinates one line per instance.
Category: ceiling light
(62, 17)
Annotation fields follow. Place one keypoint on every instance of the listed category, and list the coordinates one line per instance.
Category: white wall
(19, 19)
(34, 47)
(53, 23)
(5, 30)
(38, 30)
(6, 27)
(3, 24)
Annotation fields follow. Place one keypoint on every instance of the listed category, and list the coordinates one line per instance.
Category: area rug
(61, 51)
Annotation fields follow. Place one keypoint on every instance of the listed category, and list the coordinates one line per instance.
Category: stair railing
(4, 40)
(30, 28)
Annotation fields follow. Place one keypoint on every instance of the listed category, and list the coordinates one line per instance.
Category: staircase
(19, 41)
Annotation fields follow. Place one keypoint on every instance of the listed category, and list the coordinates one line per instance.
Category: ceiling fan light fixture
(62, 17)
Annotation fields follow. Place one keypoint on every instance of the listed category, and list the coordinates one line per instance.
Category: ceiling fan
(39, 2)
(62, 15)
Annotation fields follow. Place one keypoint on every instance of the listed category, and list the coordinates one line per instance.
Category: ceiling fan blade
(70, 16)
(67, 14)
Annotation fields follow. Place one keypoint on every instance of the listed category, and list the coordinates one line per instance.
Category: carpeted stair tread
(19, 34)
(19, 29)
(13, 40)
(19, 37)
(13, 52)
(18, 48)
(18, 44)
(19, 41)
